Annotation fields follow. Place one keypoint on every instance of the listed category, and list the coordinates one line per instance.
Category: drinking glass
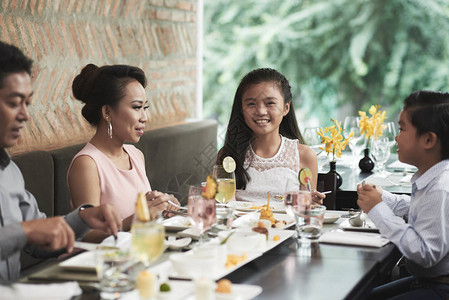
(358, 141)
(113, 280)
(296, 201)
(380, 150)
(312, 139)
(226, 184)
(201, 211)
(390, 132)
(147, 240)
(225, 216)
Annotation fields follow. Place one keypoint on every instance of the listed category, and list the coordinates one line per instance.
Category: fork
(176, 205)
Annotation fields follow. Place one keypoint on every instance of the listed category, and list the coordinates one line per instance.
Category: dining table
(298, 270)
(396, 180)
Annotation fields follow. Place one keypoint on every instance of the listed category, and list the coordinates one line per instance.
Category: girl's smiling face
(263, 108)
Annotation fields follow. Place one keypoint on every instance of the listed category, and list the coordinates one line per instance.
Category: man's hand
(104, 217)
(368, 196)
(158, 201)
(50, 234)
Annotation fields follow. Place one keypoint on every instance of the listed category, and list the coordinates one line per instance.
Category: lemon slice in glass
(142, 211)
(229, 164)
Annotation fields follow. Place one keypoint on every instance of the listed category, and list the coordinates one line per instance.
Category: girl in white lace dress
(264, 139)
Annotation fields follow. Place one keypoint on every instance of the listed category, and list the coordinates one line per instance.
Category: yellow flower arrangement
(335, 143)
(372, 126)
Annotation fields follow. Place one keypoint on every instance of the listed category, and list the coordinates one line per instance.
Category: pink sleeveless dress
(119, 187)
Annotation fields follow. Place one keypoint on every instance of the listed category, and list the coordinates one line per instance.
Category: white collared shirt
(424, 240)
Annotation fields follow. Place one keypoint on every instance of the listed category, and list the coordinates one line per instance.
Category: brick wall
(62, 36)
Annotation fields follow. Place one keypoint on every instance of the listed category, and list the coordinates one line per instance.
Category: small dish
(192, 265)
(244, 241)
(178, 244)
(330, 218)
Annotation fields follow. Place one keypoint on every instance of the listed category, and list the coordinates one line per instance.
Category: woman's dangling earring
(110, 129)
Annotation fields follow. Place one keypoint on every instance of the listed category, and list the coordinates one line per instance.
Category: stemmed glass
(380, 149)
(313, 140)
(357, 143)
(226, 184)
(381, 145)
(201, 211)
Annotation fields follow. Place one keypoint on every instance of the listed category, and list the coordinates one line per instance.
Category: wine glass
(389, 132)
(201, 211)
(380, 149)
(312, 139)
(226, 184)
(357, 142)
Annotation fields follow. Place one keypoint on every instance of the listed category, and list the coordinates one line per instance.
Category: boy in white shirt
(423, 141)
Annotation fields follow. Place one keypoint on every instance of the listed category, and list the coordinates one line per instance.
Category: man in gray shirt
(22, 225)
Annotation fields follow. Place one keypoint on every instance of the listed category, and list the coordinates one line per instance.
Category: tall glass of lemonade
(226, 184)
(147, 242)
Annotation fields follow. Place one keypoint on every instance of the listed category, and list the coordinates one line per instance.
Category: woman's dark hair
(239, 135)
(12, 60)
(96, 87)
(429, 112)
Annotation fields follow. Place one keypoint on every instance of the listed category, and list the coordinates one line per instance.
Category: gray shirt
(18, 205)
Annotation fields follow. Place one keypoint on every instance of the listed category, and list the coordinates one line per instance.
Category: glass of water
(224, 216)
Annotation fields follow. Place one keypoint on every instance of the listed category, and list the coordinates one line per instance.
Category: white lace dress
(271, 174)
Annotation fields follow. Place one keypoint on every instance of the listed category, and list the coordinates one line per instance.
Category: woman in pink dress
(106, 170)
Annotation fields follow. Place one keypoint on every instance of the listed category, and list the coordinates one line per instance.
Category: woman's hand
(317, 197)
(158, 201)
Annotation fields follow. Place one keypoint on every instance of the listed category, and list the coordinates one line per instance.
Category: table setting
(170, 264)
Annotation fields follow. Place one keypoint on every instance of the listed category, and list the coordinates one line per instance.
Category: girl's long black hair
(239, 135)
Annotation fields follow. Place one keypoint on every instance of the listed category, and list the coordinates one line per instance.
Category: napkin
(53, 291)
(354, 238)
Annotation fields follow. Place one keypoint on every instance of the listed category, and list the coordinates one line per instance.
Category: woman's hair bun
(83, 82)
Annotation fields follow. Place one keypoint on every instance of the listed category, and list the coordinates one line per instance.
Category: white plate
(251, 219)
(85, 261)
(369, 226)
(176, 223)
(181, 289)
(253, 254)
(276, 207)
(331, 217)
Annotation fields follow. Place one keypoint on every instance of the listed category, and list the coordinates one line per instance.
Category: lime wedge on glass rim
(229, 164)
(305, 176)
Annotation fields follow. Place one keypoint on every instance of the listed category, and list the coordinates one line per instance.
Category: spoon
(356, 220)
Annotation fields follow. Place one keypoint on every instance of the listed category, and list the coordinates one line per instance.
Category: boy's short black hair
(12, 60)
(429, 111)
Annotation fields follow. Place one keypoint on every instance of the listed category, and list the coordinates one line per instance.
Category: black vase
(366, 164)
(334, 170)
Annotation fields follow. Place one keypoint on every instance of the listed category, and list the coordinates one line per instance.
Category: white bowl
(241, 241)
(331, 217)
(193, 265)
